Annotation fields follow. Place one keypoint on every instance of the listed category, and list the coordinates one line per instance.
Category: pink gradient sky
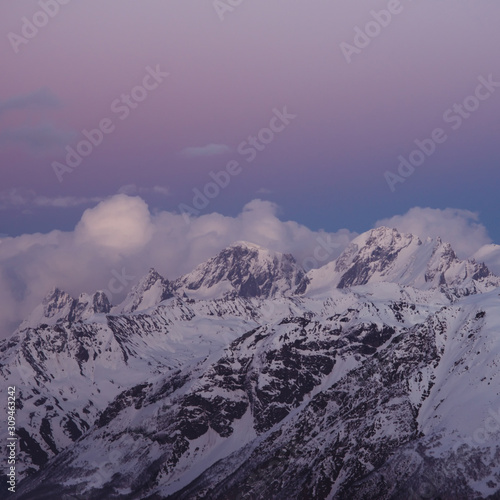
(325, 170)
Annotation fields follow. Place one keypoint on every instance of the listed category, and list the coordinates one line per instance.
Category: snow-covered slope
(379, 380)
(69, 372)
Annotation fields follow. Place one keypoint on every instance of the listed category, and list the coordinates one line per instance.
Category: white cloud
(64, 201)
(41, 98)
(489, 254)
(458, 227)
(133, 189)
(121, 233)
(15, 198)
(121, 223)
(26, 198)
(43, 137)
(128, 189)
(202, 151)
(164, 191)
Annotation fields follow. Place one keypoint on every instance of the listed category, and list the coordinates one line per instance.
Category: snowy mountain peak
(151, 278)
(55, 302)
(374, 254)
(247, 244)
(149, 292)
(386, 238)
(58, 306)
(244, 269)
(350, 394)
(386, 255)
(87, 305)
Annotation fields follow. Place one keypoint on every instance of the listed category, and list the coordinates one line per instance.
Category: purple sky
(325, 169)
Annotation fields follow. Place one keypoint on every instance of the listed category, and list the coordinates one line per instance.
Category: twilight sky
(331, 110)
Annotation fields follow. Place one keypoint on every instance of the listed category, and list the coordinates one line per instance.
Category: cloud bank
(121, 236)
(26, 199)
(133, 189)
(461, 228)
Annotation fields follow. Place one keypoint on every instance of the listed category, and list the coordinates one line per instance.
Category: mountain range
(374, 376)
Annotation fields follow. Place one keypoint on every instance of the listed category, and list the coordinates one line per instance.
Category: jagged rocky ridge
(247, 378)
